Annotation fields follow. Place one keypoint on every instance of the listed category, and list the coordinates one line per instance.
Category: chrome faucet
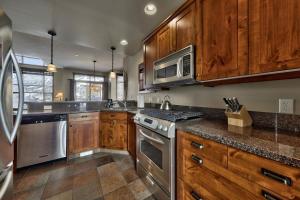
(124, 103)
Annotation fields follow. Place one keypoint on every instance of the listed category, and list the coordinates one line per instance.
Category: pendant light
(94, 88)
(51, 67)
(112, 74)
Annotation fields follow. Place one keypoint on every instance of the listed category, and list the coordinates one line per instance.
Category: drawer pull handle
(269, 196)
(197, 145)
(277, 177)
(197, 160)
(195, 195)
(84, 116)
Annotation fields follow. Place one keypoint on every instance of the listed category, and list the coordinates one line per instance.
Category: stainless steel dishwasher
(41, 138)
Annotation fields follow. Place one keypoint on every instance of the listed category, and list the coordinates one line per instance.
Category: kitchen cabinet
(165, 41)
(224, 44)
(150, 55)
(184, 27)
(83, 132)
(113, 130)
(274, 33)
(131, 136)
(209, 170)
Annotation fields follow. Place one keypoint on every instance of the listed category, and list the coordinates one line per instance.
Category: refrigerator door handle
(11, 136)
(7, 180)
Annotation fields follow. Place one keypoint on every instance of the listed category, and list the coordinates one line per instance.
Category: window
(120, 87)
(38, 87)
(88, 87)
(29, 60)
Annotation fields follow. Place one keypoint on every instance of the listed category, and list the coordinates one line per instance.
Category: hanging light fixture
(112, 74)
(51, 67)
(94, 87)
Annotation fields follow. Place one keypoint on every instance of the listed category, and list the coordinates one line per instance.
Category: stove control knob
(160, 127)
(165, 128)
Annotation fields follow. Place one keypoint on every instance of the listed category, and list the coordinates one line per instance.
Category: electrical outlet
(286, 106)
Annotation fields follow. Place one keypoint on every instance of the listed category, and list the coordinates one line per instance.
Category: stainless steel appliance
(46, 137)
(156, 149)
(177, 68)
(8, 130)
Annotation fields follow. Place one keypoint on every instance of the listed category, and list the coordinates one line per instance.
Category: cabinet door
(150, 55)
(120, 135)
(184, 27)
(107, 133)
(274, 35)
(165, 41)
(131, 136)
(225, 38)
(83, 136)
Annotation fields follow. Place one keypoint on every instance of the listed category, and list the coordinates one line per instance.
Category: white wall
(131, 64)
(261, 96)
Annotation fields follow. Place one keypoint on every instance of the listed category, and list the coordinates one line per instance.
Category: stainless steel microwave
(177, 67)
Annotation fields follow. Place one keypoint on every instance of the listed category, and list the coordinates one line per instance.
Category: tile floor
(102, 176)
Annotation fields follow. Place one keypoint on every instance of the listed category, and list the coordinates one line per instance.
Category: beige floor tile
(35, 194)
(108, 169)
(112, 182)
(130, 175)
(67, 195)
(139, 190)
(122, 193)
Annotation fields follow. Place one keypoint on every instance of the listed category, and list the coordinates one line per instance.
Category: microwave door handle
(180, 67)
(151, 138)
(11, 136)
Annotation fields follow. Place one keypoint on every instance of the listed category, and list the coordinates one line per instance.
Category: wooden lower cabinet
(131, 136)
(113, 130)
(83, 132)
(202, 177)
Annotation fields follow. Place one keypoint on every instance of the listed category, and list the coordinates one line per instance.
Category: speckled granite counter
(52, 112)
(279, 146)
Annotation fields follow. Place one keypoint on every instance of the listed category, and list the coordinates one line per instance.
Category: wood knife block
(240, 119)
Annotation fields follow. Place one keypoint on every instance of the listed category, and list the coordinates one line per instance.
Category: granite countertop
(132, 110)
(279, 146)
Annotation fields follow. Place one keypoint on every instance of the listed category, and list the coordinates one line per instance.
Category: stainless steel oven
(177, 67)
(155, 158)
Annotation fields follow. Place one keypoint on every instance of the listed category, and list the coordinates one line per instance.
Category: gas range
(163, 121)
(155, 137)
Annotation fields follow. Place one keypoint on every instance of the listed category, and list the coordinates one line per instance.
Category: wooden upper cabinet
(274, 35)
(150, 55)
(224, 48)
(165, 41)
(184, 30)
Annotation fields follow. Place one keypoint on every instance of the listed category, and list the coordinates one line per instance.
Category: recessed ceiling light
(150, 9)
(76, 55)
(123, 42)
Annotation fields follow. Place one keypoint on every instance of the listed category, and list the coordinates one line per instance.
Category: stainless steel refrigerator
(8, 124)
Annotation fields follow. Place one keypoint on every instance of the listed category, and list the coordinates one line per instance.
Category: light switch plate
(286, 106)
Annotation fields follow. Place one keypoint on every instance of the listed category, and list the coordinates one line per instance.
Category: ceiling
(84, 27)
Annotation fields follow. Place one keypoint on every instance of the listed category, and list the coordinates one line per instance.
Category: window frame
(89, 82)
(119, 74)
(42, 73)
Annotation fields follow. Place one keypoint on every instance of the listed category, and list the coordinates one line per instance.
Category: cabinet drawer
(272, 175)
(205, 148)
(186, 192)
(113, 115)
(83, 116)
(198, 175)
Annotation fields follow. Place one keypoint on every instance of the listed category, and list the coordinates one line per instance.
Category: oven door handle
(151, 138)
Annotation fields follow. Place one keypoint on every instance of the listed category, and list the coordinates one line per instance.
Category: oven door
(153, 153)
